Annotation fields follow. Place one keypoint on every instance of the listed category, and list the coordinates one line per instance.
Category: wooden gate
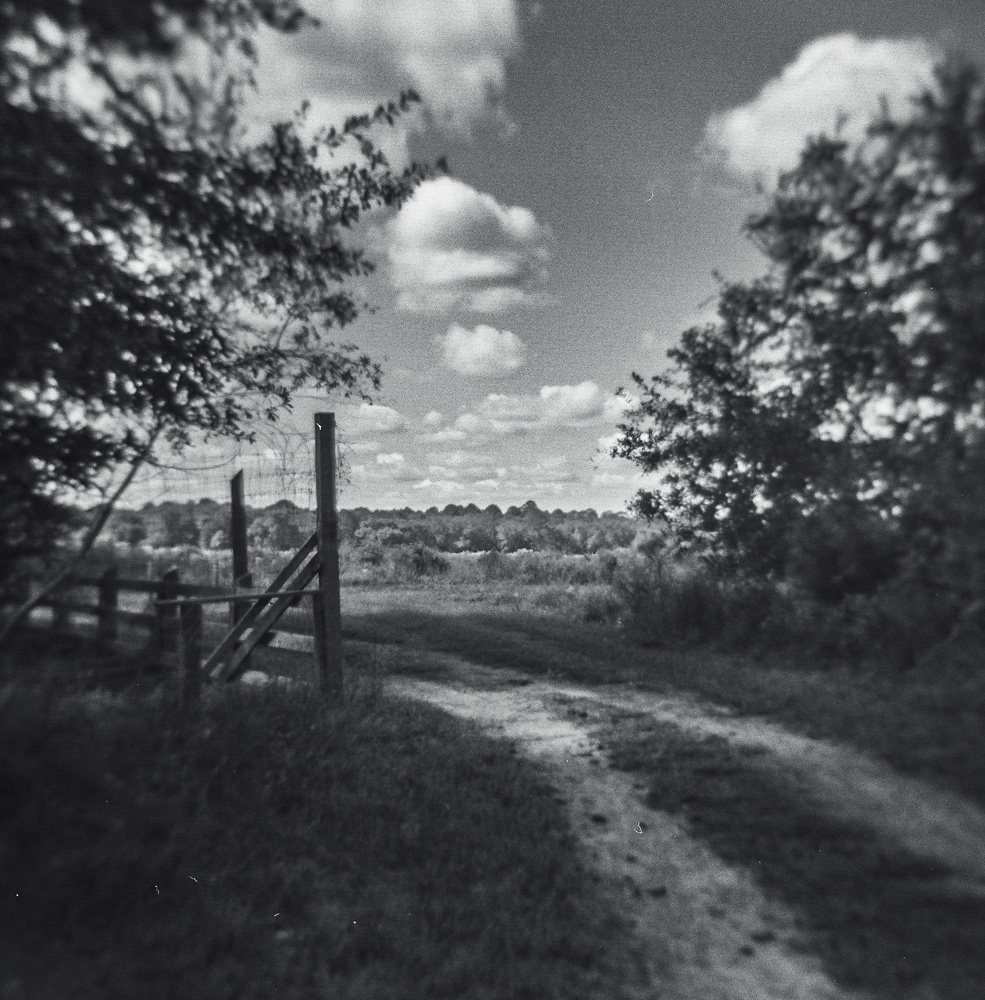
(318, 557)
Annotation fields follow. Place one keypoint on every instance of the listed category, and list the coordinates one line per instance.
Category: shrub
(420, 561)
(671, 601)
(598, 604)
(843, 549)
(493, 566)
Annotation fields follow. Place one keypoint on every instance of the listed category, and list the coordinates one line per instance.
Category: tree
(171, 524)
(275, 529)
(163, 277)
(849, 379)
(128, 528)
(477, 537)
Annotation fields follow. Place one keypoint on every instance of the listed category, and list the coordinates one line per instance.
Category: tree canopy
(845, 387)
(163, 275)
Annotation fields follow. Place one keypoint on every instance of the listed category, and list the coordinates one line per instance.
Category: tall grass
(680, 601)
(663, 599)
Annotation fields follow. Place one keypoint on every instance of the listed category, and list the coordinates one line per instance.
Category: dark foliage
(162, 276)
(831, 423)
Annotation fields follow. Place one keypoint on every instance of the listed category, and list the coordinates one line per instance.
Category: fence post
(241, 555)
(190, 651)
(166, 613)
(108, 600)
(59, 616)
(327, 603)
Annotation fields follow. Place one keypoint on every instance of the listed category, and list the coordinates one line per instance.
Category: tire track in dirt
(927, 821)
(701, 929)
(930, 822)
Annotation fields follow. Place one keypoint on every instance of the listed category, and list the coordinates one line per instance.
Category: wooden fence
(171, 630)
(171, 626)
(162, 631)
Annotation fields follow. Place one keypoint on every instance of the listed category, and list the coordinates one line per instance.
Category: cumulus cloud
(367, 420)
(464, 466)
(446, 435)
(551, 470)
(483, 351)
(366, 51)
(364, 447)
(834, 76)
(441, 487)
(481, 475)
(453, 246)
(389, 468)
(607, 442)
(554, 406)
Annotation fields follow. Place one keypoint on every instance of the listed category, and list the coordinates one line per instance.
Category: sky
(603, 159)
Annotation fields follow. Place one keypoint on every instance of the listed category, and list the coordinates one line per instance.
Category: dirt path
(703, 929)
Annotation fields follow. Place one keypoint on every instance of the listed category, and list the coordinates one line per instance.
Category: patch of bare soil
(929, 822)
(702, 930)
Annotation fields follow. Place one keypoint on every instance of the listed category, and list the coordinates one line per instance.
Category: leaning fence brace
(175, 625)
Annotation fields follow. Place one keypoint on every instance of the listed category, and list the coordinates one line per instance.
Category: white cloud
(433, 418)
(554, 406)
(464, 466)
(453, 458)
(365, 51)
(453, 246)
(832, 76)
(390, 468)
(617, 479)
(443, 487)
(551, 470)
(469, 423)
(363, 447)
(483, 351)
(443, 436)
(572, 403)
(367, 420)
(607, 442)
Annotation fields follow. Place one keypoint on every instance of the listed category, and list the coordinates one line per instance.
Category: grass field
(929, 720)
(272, 847)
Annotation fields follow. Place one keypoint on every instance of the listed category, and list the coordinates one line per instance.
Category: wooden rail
(173, 620)
(174, 616)
(160, 621)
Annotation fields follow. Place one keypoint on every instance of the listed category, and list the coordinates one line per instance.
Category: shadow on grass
(929, 722)
(880, 919)
(538, 644)
(271, 846)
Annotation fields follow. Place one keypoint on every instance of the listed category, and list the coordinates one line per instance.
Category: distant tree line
(204, 524)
